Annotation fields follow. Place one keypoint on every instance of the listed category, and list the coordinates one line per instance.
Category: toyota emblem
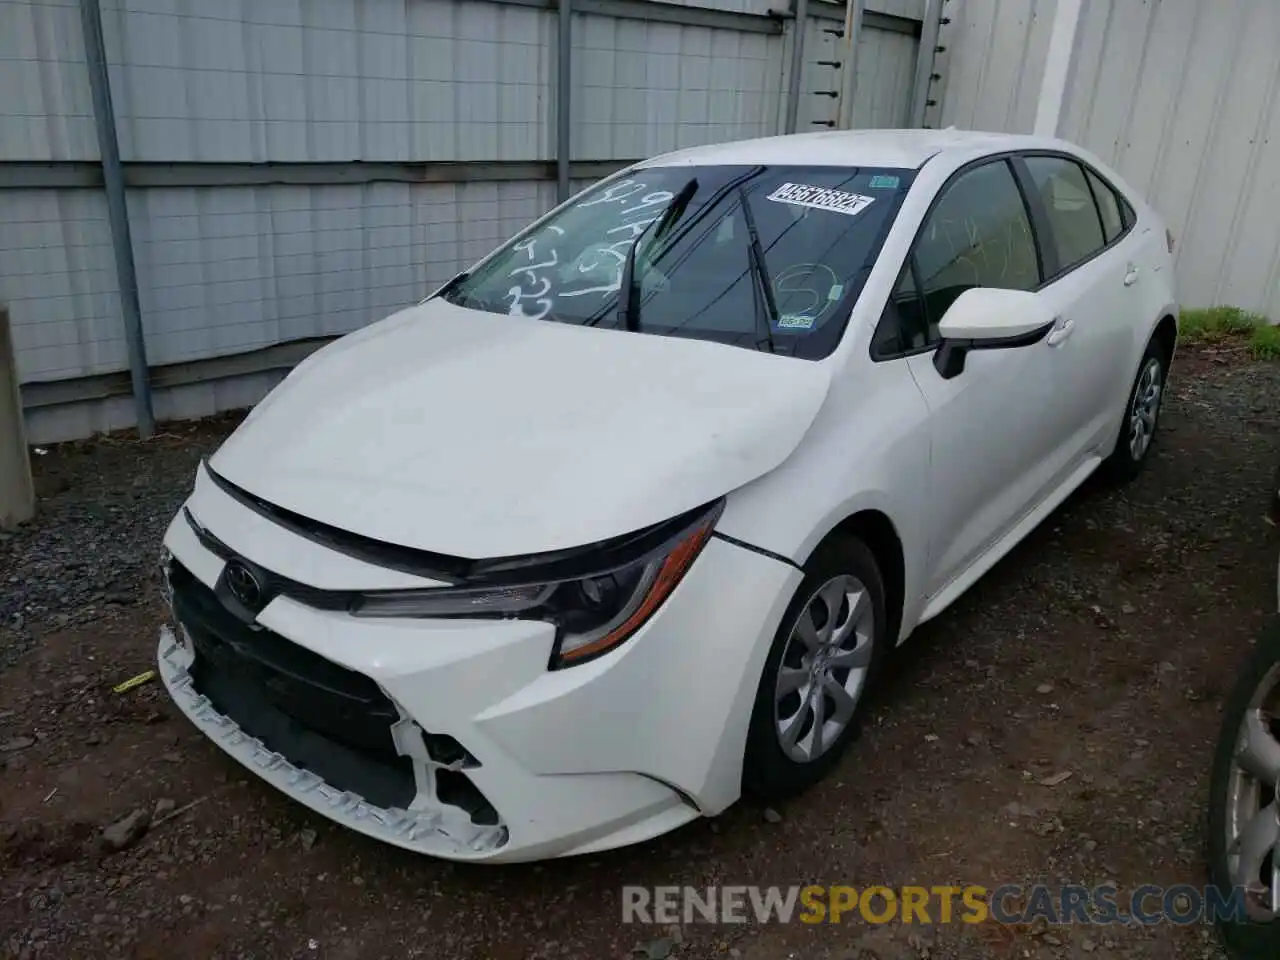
(243, 584)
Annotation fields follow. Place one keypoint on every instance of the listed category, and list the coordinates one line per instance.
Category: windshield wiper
(759, 273)
(628, 296)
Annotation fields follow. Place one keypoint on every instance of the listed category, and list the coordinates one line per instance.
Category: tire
(1247, 939)
(1130, 454)
(839, 569)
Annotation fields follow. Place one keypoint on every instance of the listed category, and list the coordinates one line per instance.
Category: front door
(994, 449)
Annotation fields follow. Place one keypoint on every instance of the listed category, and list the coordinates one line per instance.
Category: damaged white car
(621, 522)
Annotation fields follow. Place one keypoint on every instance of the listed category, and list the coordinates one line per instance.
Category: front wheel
(1244, 808)
(1142, 415)
(828, 648)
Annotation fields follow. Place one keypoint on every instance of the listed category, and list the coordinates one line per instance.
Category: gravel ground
(1101, 648)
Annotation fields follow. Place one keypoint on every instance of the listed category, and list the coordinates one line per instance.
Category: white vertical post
(1057, 67)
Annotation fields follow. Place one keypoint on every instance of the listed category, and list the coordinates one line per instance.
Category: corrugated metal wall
(226, 269)
(886, 69)
(647, 88)
(994, 62)
(1198, 130)
(59, 279)
(1181, 96)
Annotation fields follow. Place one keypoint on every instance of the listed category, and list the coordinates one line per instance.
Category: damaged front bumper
(451, 737)
(436, 828)
(553, 816)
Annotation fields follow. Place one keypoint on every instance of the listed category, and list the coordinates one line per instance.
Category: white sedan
(622, 522)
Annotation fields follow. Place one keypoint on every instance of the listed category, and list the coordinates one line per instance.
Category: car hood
(481, 435)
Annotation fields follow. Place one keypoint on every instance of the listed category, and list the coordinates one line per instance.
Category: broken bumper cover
(436, 828)
(432, 830)
(574, 761)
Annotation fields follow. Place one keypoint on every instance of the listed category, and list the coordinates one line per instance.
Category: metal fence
(295, 169)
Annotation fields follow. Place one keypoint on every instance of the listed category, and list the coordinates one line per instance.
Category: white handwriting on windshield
(615, 194)
(610, 256)
(539, 283)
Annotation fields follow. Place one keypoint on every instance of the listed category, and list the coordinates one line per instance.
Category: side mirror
(985, 318)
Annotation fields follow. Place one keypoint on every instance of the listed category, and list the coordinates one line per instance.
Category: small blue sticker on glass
(883, 182)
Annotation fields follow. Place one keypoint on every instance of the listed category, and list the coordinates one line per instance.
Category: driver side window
(978, 234)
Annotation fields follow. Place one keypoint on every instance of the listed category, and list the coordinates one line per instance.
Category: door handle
(1060, 332)
(1131, 277)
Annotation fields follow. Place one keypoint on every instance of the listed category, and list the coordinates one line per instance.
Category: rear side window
(1130, 218)
(1073, 217)
(1113, 219)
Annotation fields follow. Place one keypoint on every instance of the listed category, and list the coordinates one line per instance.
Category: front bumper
(610, 752)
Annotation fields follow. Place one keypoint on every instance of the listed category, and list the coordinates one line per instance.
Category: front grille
(317, 714)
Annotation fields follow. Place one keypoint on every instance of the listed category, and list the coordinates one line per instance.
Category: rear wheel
(829, 646)
(1244, 805)
(1142, 415)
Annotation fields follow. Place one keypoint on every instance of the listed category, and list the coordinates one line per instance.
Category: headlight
(594, 612)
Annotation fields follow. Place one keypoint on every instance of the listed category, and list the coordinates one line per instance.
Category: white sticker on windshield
(795, 321)
(821, 198)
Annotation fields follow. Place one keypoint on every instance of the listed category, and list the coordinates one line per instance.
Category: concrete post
(1057, 68)
(17, 495)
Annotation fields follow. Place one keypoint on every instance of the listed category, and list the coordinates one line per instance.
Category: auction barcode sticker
(821, 198)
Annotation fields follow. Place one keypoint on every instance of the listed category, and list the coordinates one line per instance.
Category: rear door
(1148, 255)
(1093, 284)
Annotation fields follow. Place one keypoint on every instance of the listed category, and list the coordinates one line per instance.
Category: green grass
(1221, 324)
(1266, 342)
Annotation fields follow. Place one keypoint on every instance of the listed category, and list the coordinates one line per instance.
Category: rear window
(1069, 202)
(1113, 219)
(698, 272)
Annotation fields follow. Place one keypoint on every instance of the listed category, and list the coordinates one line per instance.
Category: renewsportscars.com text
(1009, 904)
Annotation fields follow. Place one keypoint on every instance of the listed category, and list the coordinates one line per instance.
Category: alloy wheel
(1146, 408)
(824, 668)
(1253, 803)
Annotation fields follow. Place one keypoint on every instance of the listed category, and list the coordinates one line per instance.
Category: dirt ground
(1101, 648)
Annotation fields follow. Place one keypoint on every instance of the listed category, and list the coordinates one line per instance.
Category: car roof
(853, 148)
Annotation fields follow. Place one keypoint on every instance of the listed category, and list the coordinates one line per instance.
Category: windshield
(767, 258)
